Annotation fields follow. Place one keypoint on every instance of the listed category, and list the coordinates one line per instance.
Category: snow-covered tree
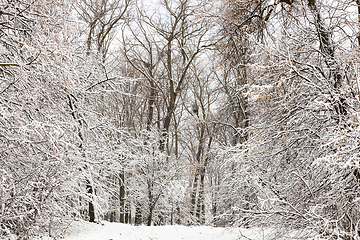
(302, 149)
(38, 145)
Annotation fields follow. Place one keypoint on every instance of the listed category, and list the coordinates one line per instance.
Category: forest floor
(118, 231)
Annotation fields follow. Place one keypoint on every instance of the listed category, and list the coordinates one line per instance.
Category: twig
(308, 187)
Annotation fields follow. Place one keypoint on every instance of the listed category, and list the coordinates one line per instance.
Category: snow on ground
(118, 231)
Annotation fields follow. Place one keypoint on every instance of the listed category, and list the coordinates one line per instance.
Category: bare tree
(203, 95)
(162, 49)
(102, 17)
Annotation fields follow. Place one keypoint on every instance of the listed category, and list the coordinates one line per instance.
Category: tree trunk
(138, 216)
(215, 197)
(152, 202)
(149, 219)
(172, 215)
(122, 198)
(112, 216)
(172, 96)
(151, 105)
(201, 208)
(89, 187)
(198, 204)
(91, 205)
(197, 180)
(128, 214)
(193, 194)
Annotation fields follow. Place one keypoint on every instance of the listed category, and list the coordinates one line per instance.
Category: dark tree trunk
(197, 180)
(178, 211)
(138, 216)
(201, 200)
(128, 214)
(91, 205)
(172, 99)
(193, 194)
(172, 216)
(112, 216)
(151, 103)
(122, 198)
(199, 203)
(215, 196)
(149, 219)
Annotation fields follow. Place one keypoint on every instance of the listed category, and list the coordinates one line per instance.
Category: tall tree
(102, 18)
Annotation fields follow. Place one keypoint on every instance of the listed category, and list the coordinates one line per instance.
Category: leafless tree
(102, 17)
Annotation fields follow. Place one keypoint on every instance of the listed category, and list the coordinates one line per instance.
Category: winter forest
(228, 113)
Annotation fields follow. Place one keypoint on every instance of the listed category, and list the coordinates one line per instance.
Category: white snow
(118, 231)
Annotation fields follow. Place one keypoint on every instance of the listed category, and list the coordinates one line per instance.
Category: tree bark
(198, 181)
(193, 194)
(91, 205)
(200, 214)
(149, 219)
(138, 215)
(128, 214)
(151, 106)
(122, 197)
(172, 98)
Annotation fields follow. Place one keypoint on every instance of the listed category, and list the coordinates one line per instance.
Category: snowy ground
(117, 231)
